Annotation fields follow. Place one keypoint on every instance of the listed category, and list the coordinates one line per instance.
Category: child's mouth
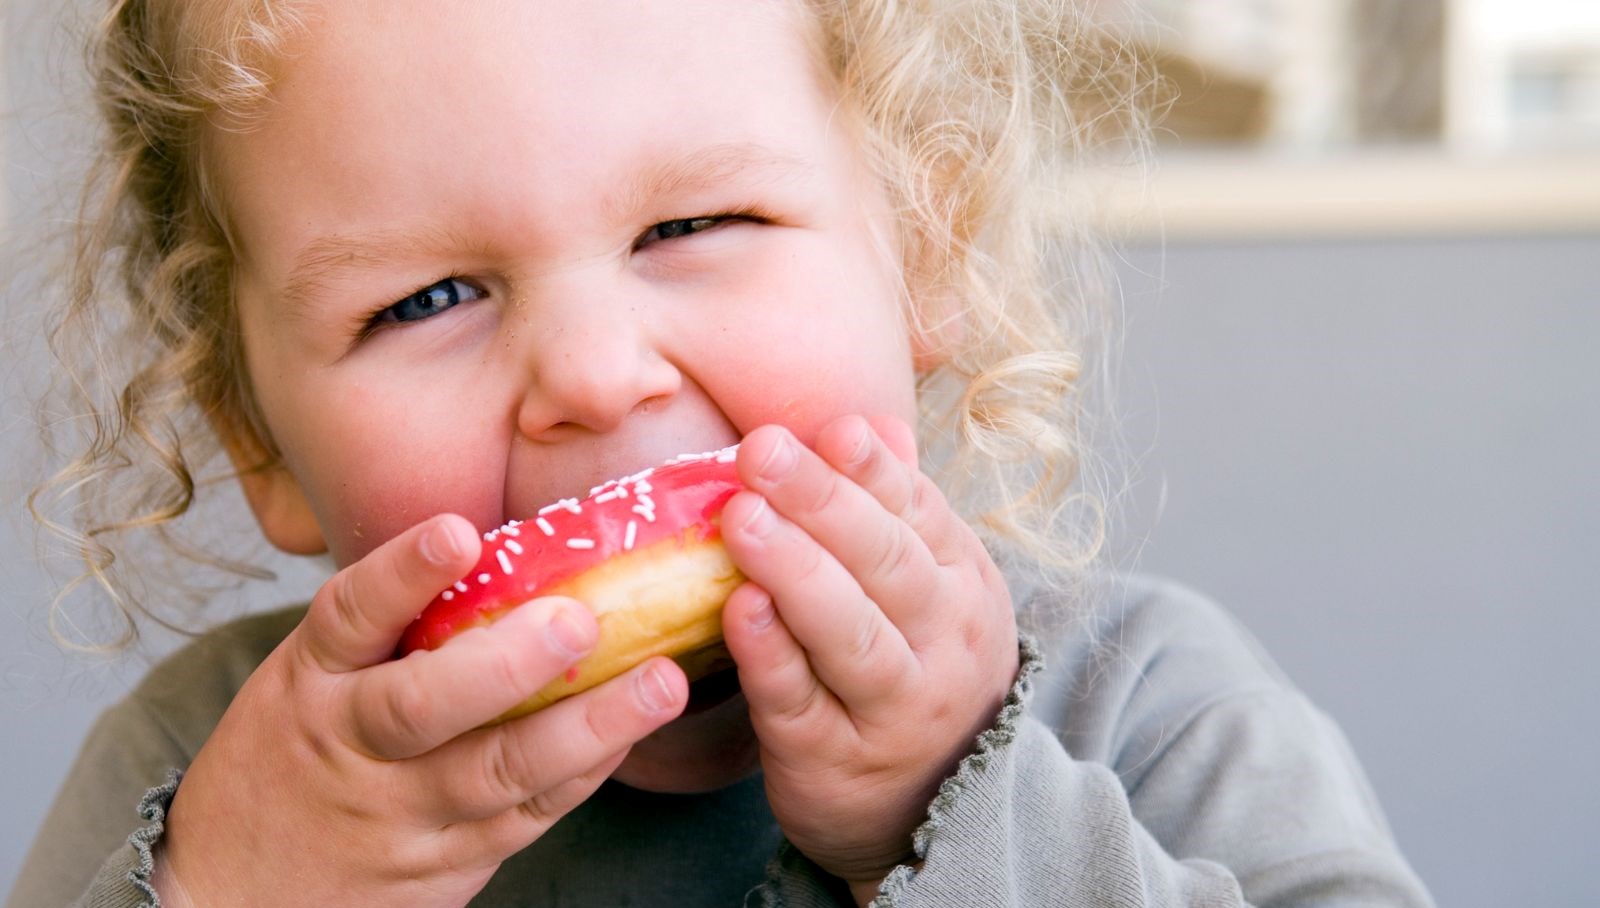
(712, 690)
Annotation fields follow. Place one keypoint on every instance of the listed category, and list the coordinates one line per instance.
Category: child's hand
(892, 646)
(338, 777)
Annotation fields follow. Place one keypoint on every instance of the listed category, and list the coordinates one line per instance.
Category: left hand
(875, 639)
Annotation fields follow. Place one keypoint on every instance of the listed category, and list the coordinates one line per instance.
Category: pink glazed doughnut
(644, 553)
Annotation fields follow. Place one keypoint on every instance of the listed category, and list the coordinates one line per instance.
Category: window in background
(1331, 73)
(1373, 116)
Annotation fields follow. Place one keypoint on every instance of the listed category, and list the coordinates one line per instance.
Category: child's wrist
(167, 886)
(864, 891)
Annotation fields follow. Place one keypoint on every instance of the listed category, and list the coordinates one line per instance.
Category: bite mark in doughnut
(643, 552)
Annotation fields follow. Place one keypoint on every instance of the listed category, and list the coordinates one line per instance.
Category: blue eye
(429, 301)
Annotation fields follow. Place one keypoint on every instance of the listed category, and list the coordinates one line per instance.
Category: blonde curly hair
(978, 117)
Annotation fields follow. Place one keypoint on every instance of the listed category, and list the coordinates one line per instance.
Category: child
(424, 267)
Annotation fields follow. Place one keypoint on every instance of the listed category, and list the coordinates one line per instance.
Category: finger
(407, 707)
(884, 554)
(868, 454)
(897, 434)
(851, 445)
(356, 618)
(851, 645)
(487, 772)
(776, 678)
(489, 841)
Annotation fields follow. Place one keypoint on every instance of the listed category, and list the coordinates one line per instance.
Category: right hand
(340, 777)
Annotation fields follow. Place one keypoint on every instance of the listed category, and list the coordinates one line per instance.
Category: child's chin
(709, 748)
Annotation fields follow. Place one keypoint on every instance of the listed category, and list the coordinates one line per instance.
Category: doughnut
(643, 552)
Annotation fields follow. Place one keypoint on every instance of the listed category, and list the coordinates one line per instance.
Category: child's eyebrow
(321, 258)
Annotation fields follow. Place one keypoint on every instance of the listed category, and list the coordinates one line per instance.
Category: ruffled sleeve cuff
(793, 881)
(124, 879)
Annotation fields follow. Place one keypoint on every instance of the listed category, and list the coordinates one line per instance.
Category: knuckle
(542, 809)
(975, 636)
(808, 565)
(595, 731)
(925, 496)
(823, 495)
(894, 555)
(342, 603)
(505, 771)
(407, 707)
(885, 675)
(800, 710)
(866, 638)
(510, 670)
(883, 475)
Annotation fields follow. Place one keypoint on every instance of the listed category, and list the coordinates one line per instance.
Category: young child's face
(539, 153)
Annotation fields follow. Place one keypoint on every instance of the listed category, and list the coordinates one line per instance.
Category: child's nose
(591, 373)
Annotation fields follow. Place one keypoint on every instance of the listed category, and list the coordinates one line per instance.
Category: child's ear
(275, 496)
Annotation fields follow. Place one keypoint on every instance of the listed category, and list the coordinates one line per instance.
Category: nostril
(592, 398)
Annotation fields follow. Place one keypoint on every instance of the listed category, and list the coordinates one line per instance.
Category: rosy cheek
(374, 468)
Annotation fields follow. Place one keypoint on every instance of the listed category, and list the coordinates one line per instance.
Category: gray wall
(1383, 457)
(1380, 454)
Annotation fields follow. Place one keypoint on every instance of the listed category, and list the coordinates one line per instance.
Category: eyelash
(375, 321)
(742, 213)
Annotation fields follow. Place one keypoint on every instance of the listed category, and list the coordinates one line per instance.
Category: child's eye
(667, 230)
(430, 300)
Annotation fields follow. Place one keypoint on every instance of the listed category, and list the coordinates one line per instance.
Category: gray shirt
(1159, 758)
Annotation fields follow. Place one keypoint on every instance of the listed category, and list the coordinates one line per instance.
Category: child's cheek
(374, 466)
(808, 332)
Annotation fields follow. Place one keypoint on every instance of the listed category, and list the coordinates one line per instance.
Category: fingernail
(653, 690)
(759, 524)
(568, 636)
(439, 544)
(761, 616)
(780, 462)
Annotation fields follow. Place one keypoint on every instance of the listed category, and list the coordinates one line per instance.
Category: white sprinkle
(552, 507)
(512, 531)
(643, 488)
(580, 543)
(461, 586)
(545, 527)
(633, 532)
(602, 487)
(447, 595)
(514, 546)
(728, 455)
(612, 495)
(572, 505)
(505, 563)
(646, 509)
(490, 536)
(483, 578)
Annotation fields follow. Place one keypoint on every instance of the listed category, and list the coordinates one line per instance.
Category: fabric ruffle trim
(153, 810)
(788, 859)
(990, 742)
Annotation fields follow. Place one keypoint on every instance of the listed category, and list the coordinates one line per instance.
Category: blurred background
(1360, 397)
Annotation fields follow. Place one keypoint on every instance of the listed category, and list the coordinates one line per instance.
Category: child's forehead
(663, 40)
(375, 97)
(381, 127)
